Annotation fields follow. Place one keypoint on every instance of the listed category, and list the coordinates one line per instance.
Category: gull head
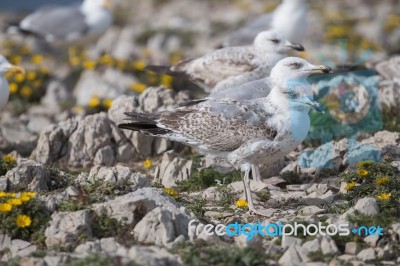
(289, 79)
(6, 67)
(272, 42)
(93, 4)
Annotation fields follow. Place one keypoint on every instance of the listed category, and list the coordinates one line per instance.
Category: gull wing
(218, 65)
(56, 23)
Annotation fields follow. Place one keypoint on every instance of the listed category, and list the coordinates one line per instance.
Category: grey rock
(5, 241)
(312, 245)
(160, 213)
(14, 135)
(328, 246)
(372, 240)
(157, 227)
(88, 247)
(29, 174)
(81, 142)
(38, 123)
(352, 248)
(367, 206)
(65, 228)
(291, 240)
(119, 174)
(31, 261)
(21, 248)
(310, 210)
(172, 169)
(152, 256)
(367, 254)
(57, 94)
(293, 256)
(211, 194)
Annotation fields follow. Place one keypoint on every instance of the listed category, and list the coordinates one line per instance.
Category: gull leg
(246, 181)
(255, 172)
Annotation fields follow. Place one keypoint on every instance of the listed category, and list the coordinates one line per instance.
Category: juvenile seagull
(232, 66)
(289, 19)
(5, 67)
(249, 132)
(60, 25)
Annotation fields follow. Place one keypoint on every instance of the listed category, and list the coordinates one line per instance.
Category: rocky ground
(84, 192)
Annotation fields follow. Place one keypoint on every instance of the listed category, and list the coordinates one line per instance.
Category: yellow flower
(13, 88)
(44, 70)
(3, 194)
(31, 75)
(16, 59)
(363, 164)
(19, 77)
(94, 102)
(107, 103)
(24, 50)
(147, 164)
(29, 194)
(37, 59)
(362, 172)
(74, 61)
(139, 65)
(24, 198)
(23, 220)
(172, 193)
(166, 81)
(384, 196)
(5, 207)
(382, 180)
(242, 203)
(106, 60)
(14, 202)
(9, 159)
(350, 186)
(89, 64)
(26, 91)
(121, 64)
(138, 87)
(11, 195)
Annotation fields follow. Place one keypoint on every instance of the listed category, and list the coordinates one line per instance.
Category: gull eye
(295, 65)
(275, 40)
(290, 93)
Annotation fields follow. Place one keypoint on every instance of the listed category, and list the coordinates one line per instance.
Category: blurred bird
(289, 19)
(66, 25)
(5, 67)
(242, 132)
(232, 66)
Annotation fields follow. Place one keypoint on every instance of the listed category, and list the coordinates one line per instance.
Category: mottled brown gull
(258, 131)
(289, 19)
(232, 66)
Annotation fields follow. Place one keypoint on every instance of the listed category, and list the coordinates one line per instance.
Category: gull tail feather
(144, 123)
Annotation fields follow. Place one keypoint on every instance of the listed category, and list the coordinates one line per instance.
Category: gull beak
(315, 105)
(15, 69)
(107, 4)
(294, 46)
(321, 69)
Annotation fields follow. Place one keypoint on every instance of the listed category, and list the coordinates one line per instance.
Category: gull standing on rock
(5, 67)
(60, 25)
(232, 66)
(289, 19)
(259, 131)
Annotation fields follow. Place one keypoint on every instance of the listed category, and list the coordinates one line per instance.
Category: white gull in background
(289, 19)
(77, 24)
(5, 67)
(259, 131)
(232, 66)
